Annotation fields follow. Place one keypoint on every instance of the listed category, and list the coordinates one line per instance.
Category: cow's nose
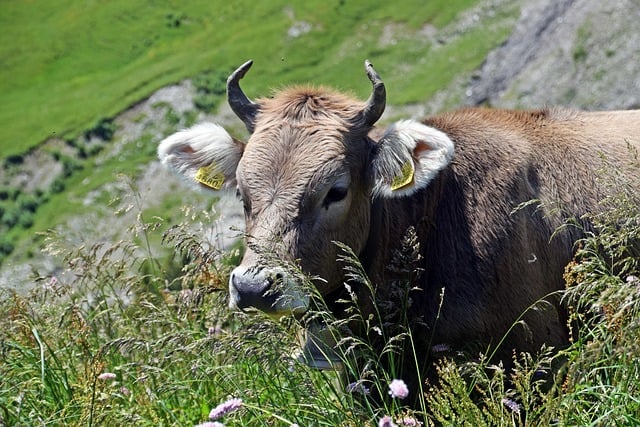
(252, 288)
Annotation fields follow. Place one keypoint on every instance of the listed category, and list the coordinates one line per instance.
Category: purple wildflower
(211, 424)
(224, 408)
(511, 404)
(125, 391)
(358, 387)
(440, 348)
(398, 388)
(386, 421)
(106, 376)
(409, 421)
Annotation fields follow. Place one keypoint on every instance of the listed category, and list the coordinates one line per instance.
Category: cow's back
(516, 177)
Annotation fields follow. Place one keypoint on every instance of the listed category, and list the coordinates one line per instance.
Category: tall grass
(123, 337)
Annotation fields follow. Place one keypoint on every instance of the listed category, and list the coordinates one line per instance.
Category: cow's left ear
(206, 155)
(408, 156)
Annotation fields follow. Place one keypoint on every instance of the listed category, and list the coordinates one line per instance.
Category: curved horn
(244, 108)
(378, 99)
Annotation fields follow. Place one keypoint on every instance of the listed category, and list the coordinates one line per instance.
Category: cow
(486, 192)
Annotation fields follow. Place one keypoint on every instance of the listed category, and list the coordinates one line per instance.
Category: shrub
(9, 193)
(11, 216)
(103, 129)
(26, 219)
(211, 86)
(57, 186)
(70, 165)
(6, 246)
(14, 159)
(28, 202)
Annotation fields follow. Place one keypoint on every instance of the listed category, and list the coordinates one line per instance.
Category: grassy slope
(66, 64)
(70, 64)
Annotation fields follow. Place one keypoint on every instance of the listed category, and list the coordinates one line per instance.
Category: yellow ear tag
(210, 176)
(405, 178)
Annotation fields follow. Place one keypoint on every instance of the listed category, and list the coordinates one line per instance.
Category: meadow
(123, 338)
(70, 64)
(71, 68)
(124, 334)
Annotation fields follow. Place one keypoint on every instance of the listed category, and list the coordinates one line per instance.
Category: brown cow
(312, 173)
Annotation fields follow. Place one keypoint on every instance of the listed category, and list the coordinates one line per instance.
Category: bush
(14, 160)
(28, 202)
(11, 216)
(211, 87)
(103, 129)
(70, 165)
(9, 193)
(6, 246)
(26, 219)
(57, 186)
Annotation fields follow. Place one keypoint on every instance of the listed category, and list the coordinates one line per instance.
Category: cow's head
(306, 177)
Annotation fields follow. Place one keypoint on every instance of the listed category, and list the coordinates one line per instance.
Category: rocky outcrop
(578, 53)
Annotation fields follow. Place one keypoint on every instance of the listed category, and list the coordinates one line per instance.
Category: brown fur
(492, 260)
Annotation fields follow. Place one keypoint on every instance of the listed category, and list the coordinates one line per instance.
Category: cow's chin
(293, 304)
(317, 348)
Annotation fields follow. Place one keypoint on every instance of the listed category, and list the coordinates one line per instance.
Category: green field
(125, 335)
(67, 64)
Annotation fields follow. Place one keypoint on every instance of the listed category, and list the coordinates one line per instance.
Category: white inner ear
(203, 145)
(405, 144)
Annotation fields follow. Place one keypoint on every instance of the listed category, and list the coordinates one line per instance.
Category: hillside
(506, 54)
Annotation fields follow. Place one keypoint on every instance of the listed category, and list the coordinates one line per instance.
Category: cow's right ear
(205, 154)
(407, 157)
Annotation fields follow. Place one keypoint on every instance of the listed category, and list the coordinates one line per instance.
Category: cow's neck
(390, 219)
(372, 248)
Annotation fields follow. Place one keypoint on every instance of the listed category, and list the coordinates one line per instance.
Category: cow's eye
(334, 195)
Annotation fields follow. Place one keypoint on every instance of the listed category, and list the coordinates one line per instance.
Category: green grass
(160, 323)
(176, 352)
(69, 64)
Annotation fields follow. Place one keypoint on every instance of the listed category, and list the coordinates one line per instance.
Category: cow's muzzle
(270, 290)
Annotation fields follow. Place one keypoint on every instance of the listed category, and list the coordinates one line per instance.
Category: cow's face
(306, 177)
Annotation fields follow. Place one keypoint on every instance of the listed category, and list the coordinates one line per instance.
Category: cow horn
(378, 99)
(244, 108)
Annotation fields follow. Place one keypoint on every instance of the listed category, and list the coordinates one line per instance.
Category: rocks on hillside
(578, 53)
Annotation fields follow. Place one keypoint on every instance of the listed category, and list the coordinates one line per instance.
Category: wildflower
(633, 279)
(358, 387)
(440, 348)
(106, 376)
(211, 424)
(386, 421)
(409, 421)
(224, 408)
(52, 285)
(511, 404)
(398, 388)
(125, 391)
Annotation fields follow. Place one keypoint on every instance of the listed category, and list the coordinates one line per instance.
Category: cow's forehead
(298, 104)
(294, 157)
(300, 135)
